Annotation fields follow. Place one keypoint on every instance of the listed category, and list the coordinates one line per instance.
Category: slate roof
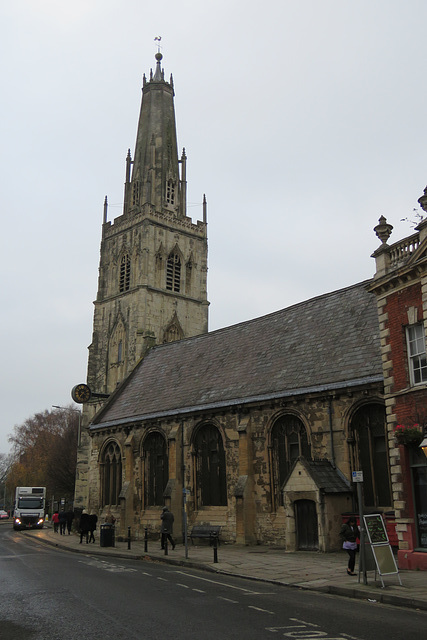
(328, 342)
(327, 478)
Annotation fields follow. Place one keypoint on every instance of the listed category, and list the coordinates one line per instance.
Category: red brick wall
(411, 409)
(397, 306)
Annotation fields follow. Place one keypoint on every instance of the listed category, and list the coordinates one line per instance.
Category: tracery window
(289, 441)
(170, 192)
(209, 456)
(155, 469)
(369, 449)
(124, 282)
(111, 472)
(173, 273)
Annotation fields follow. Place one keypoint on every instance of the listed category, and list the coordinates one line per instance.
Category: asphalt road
(46, 594)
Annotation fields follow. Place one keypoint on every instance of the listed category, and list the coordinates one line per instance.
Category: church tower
(152, 285)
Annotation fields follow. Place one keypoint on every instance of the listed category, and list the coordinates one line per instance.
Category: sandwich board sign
(380, 546)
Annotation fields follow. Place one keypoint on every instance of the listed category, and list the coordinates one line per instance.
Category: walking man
(167, 527)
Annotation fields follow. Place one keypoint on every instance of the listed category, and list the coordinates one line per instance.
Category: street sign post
(357, 477)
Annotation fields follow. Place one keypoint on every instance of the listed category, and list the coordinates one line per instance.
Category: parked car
(3, 515)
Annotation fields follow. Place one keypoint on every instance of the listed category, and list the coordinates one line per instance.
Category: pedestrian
(55, 521)
(84, 526)
(350, 533)
(70, 518)
(167, 527)
(62, 517)
(93, 519)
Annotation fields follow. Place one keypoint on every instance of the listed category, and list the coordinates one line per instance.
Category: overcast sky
(303, 122)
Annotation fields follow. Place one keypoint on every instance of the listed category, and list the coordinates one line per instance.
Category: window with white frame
(415, 337)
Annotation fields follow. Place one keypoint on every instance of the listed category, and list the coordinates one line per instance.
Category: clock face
(81, 393)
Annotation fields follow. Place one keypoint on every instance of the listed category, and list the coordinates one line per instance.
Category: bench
(205, 531)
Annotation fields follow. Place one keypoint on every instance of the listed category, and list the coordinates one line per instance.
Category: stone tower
(153, 261)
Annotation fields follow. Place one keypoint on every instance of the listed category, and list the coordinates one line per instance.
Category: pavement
(323, 572)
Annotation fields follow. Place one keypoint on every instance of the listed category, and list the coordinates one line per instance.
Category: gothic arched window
(124, 282)
(170, 192)
(156, 473)
(369, 454)
(111, 474)
(289, 441)
(173, 273)
(211, 486)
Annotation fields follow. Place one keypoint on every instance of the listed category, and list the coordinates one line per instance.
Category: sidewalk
(324, 572)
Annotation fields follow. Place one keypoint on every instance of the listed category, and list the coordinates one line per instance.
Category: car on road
(3, 515)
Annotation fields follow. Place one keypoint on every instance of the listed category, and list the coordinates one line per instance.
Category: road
(47, 594)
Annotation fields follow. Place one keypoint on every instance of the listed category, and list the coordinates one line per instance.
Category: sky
(303, 121)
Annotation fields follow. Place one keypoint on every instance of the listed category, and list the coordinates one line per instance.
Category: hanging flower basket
(408, 435)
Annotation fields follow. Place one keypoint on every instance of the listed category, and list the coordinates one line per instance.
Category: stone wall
(250, 516)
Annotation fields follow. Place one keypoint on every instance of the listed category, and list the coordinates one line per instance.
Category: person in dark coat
(93, 519)
(62, 522)
(84, 526)
(167, 527)
(349, 534)
(70, 518)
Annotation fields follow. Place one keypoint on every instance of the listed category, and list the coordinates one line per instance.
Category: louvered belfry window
(173, 273)
(124, 273)
(170, 192)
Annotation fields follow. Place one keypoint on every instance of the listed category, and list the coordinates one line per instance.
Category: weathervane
(158, 40)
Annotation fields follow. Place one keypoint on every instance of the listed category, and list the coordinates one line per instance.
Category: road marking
(164, 579)
(106, 566)
(262, 610)
(302, 631)
(228, 600)
(223, 584)
(308, 624)
(198, 590)
(185, 586)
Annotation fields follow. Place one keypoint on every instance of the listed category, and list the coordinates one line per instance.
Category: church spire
(155, 179)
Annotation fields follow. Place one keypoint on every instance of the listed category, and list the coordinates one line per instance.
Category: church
(254, 428)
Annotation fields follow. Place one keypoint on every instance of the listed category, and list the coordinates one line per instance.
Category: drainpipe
(331, 432)
(184, 495)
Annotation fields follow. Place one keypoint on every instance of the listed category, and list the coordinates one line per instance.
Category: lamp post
(423, 444)
(55, 406)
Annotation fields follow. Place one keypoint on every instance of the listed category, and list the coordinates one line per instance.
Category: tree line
(44, 454)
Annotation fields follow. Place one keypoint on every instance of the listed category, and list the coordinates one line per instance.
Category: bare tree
(44, 451)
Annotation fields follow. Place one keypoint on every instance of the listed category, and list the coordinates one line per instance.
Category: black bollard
(215, 547)
(128, 537)
(166, 546)
(146, 539)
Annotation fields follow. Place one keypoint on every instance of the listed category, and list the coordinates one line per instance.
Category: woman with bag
(350, 533)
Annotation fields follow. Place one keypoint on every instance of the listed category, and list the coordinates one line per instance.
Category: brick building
(400, 285)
